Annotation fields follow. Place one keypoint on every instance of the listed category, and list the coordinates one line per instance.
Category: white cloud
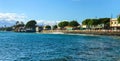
(47, 22)
(9, 19)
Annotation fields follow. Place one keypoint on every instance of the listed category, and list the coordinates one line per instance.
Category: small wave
(56, 59)
(81, 34)
(23, 59)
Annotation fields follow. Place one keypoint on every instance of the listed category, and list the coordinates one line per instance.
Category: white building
(37, 29)
(114, 24)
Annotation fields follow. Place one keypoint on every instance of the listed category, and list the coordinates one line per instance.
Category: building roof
(113, 19)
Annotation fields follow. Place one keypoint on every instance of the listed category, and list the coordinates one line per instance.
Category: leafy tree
(73, 23)
(48, 27)
(9, 29)
(105, 22)
(118, 19)
(90, 22)
(55, 27)
(86, 22)
(31, 24)
(6, 28)
(95, 22)
(18, 25)
(63, 24)
(17, 22)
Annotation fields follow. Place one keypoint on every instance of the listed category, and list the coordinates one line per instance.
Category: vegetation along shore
(97, 26)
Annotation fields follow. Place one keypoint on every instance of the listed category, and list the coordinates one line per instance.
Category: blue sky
(57, 10)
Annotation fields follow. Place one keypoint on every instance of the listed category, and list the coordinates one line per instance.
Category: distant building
(30, 29)
(84, 26)
(72, 28)
(47, 28)
(21, 29)
(96, 27)
(69, 28)
(114, 24)
(39, 28)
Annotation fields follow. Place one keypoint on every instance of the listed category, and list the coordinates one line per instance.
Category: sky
(53, 11)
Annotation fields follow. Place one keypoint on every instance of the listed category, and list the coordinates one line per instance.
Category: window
(115, 23)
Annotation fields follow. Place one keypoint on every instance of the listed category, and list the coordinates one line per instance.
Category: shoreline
(82, 32)
(90, 32)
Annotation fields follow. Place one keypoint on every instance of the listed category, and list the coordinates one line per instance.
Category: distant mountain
(10, 19)
(7, 23)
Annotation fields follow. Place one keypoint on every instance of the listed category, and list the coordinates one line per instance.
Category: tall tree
(105, 22)
(55, 27)
(31, 24)
(118, 19)
(73, 23)
(17, 22)
(95, 22)
(63, 24)
(48, 27)
(86, 22)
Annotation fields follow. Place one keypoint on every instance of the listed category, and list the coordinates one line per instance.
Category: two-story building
(114, 24)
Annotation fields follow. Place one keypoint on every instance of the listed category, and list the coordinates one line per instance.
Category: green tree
(95, 22)
(31, 24)
(18, 25)
(17, 22)
(73, 23)
(9, 29)
(105, 22)
(118, 19)
(63, 24)
(48, 27)
(86, 22)
(90, 22)
(55, 27)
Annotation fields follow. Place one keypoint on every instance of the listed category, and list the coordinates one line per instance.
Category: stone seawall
(95, 32)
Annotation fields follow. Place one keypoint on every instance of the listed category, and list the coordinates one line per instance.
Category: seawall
(94, 32)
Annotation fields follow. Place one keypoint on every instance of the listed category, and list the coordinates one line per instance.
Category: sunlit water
(58, 47)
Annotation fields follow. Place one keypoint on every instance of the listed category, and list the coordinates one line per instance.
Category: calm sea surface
(58, 47)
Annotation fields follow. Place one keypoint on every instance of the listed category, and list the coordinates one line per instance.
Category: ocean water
(58, 47)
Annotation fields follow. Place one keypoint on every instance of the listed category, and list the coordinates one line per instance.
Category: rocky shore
(94, 32)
